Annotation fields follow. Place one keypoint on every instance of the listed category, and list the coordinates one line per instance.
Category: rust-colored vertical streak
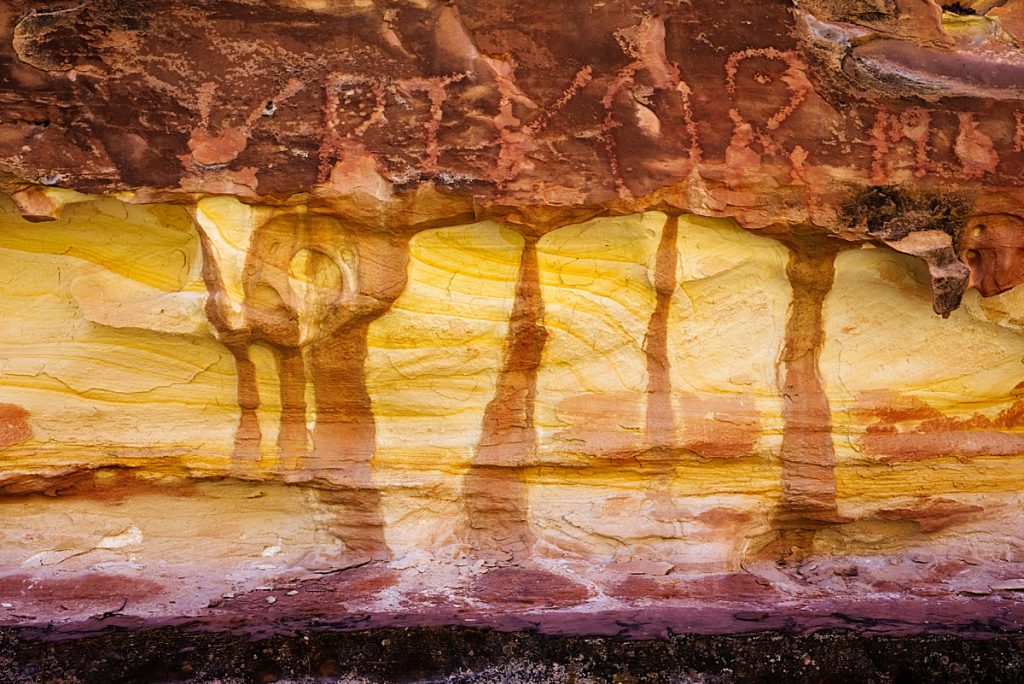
(808, 457)
(660, 422)
(344, 439)
(247, 434)
(217, 307)
(495, 490)
(291, 371)
(344, 417)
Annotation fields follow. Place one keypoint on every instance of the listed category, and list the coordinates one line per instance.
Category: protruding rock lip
(938, 73)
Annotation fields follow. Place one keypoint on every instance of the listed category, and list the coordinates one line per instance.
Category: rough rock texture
(461, 656)
(627, 318)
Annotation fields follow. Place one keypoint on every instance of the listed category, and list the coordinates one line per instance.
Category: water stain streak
(660, 421)
(495, 490)
(808, 456)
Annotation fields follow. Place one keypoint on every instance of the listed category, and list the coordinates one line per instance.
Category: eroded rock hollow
(592, 317)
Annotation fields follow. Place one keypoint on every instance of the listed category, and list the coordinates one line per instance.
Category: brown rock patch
(331, 594)
(908, 429)
(88, 591)
(106, 484)
(522, 586)
(933, 514)
(720, 427)
(739, 587)
(603, 422)
(358, 584)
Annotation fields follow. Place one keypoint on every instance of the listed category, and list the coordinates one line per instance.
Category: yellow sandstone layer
(670, 389)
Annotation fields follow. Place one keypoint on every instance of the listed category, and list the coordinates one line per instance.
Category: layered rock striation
(693, 316)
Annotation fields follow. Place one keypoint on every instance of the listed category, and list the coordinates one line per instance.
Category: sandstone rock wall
(505, 312)
(644, 393)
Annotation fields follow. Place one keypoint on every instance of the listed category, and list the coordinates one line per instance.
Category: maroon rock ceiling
(864, 120)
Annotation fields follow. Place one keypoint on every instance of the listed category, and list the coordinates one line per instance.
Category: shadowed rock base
(467, 655)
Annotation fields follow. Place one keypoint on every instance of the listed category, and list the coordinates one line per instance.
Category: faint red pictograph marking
(888, 130)
(340, 95)
(515, 141)
(795, 80)
(14, 425)
(212, 146)
(340, 89)
(646, 43)
(582, 78)
(436, 89)
(974, 148)
(915, 125)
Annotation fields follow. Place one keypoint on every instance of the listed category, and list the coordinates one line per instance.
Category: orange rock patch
(14, 427)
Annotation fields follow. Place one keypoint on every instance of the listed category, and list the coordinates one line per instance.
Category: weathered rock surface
(611, 318)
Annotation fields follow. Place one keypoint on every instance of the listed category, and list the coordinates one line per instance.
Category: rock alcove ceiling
(620, 318)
